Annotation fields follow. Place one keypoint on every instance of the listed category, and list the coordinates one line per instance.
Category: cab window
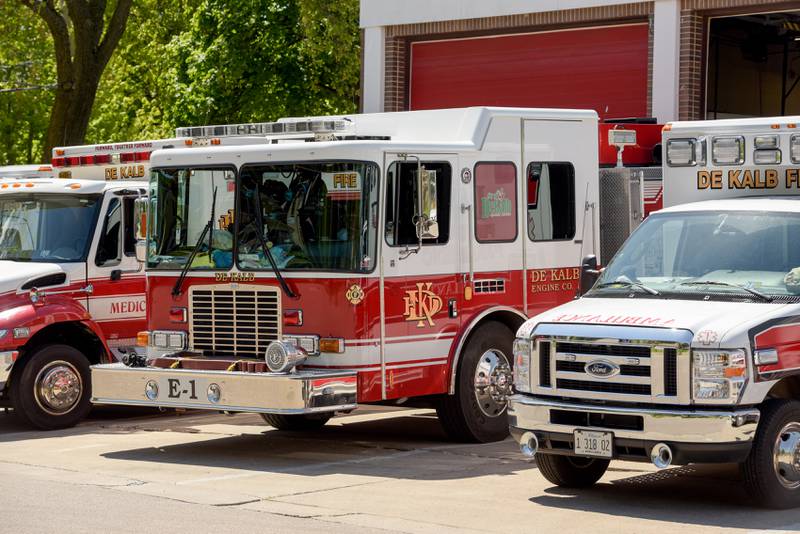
(496, 202)
(108, 249)
(401, 205)
(551, 201)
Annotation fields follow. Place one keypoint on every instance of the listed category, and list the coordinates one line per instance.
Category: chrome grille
(234, 321)
(644, 370)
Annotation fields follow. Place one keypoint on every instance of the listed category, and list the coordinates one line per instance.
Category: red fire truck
(383, 258)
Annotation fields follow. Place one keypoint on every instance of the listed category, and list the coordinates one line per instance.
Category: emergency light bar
(281, 127)
(100, 159)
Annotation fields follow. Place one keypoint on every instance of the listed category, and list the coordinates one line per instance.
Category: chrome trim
(654, 338)
(465, 335)
(263, 318)
(6, 364)
(305, 391)
(674, 426)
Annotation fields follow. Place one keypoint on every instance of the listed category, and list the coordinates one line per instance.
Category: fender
(35, 317)
(465, 332)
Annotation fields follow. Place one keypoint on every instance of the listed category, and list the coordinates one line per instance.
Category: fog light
(214, 393)
(151, 390)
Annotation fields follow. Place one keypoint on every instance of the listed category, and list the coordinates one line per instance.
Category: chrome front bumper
(657, 424)
(299, 392)
(6, 363)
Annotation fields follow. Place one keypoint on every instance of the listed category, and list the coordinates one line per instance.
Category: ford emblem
(601, 369)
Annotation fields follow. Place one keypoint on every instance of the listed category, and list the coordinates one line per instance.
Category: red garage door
(603, 68)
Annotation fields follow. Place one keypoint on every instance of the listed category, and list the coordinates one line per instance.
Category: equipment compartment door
(560, 178)
(422, 290)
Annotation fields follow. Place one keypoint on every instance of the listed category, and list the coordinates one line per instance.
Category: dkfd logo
(422, 304)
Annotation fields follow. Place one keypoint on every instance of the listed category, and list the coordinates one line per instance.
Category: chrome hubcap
(786, 454)
(58, 387)
(493, 382)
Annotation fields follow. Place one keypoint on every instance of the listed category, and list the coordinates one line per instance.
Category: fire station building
(669, 59)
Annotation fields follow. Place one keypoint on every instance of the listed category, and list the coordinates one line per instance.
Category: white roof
(25, 171)
(427, 130)
(66, 186)
(787, 204)
(738, 126)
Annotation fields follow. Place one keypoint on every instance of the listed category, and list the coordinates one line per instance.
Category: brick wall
(693, 36)
(693, 39)
(398, 38)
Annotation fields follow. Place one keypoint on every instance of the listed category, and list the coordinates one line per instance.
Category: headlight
(767, 157)
(3, 333)
(718, 376)
(168, 339)
(795, 148)
(522, 365)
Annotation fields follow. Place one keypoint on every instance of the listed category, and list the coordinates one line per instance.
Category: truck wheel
(297, 423)
(772, 470)
(53, 389)
(571, 471)
(477, 411)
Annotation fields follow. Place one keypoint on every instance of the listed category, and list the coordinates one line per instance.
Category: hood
(18, 276)
(714, 317)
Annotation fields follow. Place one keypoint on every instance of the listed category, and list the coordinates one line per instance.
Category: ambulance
(379, 258)
(686, 349)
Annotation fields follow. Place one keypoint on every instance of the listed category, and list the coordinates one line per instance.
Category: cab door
(117, 302)
(422, 289)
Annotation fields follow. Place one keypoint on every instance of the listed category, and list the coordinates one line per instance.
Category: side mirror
(427, 224)
(589, 273)
(140, 207)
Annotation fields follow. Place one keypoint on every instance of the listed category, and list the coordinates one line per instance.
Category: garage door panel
(599, 68)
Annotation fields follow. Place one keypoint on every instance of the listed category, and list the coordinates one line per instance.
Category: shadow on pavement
(406, 447)
(703, 495)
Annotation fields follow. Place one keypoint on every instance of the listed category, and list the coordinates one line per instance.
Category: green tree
(26, 84)
(85, 34)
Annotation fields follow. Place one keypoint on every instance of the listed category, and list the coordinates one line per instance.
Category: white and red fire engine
(687, 348)
(72, 290)
(360, 259)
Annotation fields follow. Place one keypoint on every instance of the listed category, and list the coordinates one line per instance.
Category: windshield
(46, 227)
(711, 254)
(313, 216)
(182, 203)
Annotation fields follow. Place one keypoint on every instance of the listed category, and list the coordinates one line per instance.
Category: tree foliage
(26, 64)
(85, 34)
(188, 62)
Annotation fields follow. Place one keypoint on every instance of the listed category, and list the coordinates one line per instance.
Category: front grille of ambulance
(234, 322)
(647, 372)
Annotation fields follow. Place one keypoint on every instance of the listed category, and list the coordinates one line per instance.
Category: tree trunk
(84, 39)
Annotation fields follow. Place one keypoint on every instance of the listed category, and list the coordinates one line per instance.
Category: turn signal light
(332, 345)
(142, 338)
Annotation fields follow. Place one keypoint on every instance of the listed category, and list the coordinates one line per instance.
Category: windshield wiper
(629, 283)
(176, 289)
(759, 294)
(265, 248)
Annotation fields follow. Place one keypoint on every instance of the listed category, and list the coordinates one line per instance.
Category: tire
(463, 416)
(571, 471)
(769, 482)
(296, 423)
(44, 407)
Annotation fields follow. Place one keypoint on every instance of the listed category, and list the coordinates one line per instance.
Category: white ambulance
(687, 347)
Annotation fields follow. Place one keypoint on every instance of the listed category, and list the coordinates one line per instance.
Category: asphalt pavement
(375, 470)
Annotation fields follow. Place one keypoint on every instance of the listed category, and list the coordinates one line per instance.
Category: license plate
(590, 443)
(182, 389)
